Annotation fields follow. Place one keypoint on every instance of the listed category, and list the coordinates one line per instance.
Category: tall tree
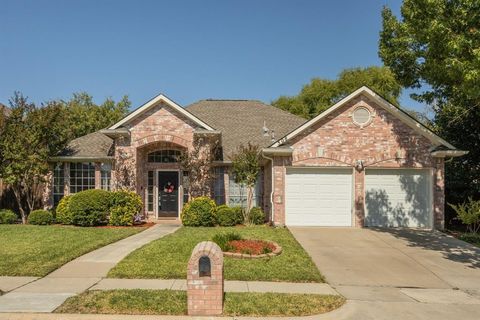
(29, 136)
(320, 94)
(84, 116)
(435, 49)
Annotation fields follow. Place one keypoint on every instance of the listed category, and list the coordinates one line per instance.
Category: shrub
(469, 213)
(63, 213)
(222, 239)
(256, 216)
(226, 216)
(40, 217)
(7, 216)
(124, 206)
(238, 213)
(200, 212)
(90, 207)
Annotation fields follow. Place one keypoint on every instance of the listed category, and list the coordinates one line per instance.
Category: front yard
(170, 302)
(28, 250)
(167, 258)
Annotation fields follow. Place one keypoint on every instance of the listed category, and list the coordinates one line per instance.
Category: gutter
(280, 151)
(448, 153)
(80, 159)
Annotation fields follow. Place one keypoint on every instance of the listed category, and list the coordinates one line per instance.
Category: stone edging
(276, 252)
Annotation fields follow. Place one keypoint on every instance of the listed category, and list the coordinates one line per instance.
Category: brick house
(362, 162)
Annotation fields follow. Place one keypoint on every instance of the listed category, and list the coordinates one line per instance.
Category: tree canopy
(435, 48)
(320, 94)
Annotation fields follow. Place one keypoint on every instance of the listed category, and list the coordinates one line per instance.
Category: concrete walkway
(397, 273)
(46, 294)
(230, 286)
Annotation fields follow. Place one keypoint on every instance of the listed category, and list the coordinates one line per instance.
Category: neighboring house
(362, 162)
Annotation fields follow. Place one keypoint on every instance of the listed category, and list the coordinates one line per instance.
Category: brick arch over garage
(162, 137)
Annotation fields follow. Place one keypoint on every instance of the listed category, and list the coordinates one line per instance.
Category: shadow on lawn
(450, 248)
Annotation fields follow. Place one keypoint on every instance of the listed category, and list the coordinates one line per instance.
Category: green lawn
(473, 238)
(170, 302)
(28, 250)
(167, 258)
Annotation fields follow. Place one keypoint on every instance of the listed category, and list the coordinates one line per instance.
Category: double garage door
(324, 197)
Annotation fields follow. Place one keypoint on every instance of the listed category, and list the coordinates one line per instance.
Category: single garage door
(318, 197)
(398, 198)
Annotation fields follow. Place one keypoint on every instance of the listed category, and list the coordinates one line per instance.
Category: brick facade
(336, 141)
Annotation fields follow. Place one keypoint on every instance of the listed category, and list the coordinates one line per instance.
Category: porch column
(439, 194)
(359, 198)
(98, 176)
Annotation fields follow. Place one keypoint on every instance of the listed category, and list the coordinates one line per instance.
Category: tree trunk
(249, 202)
(18, 197)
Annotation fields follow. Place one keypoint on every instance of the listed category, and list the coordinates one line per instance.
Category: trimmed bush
(63, 213)
(40, 217)
(222, 239)
(226, 216)
(257, 216)
(7, 216)
(238, 213)
(90, 207)
(200, 212)
(124, 206)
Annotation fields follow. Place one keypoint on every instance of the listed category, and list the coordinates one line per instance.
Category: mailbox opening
(204, 267)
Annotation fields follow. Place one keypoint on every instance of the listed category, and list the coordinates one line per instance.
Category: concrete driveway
(381, 270)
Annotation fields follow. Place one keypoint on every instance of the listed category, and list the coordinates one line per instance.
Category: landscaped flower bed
(250, 248)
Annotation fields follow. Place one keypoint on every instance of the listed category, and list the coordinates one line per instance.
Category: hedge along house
(362, 162)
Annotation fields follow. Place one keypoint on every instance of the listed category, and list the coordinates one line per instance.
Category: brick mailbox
(205, 280)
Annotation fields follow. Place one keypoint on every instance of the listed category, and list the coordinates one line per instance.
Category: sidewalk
(230, 286)
(46, 294)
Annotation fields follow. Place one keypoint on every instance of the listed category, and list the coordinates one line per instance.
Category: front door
(167, 194)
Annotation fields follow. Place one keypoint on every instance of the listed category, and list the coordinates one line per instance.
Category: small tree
(29, 136)
(469, 213)
(245, 169)
(198, 163)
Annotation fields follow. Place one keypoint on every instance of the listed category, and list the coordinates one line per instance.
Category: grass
(170, 302)
(473, 238)
(167, 258)
(28, 250)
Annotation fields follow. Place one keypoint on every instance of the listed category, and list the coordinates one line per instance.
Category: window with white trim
(82, 176)
(58, 182)
(238, 193)
(164, 156)
(150, 186)
(105, 176)
(219, 186)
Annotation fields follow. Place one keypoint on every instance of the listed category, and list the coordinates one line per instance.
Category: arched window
(164, 156)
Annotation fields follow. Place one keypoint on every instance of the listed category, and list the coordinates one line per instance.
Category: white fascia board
(415, 125)
(448, 153)
(155, 101)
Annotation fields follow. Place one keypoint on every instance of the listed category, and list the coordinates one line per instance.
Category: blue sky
(188, 50)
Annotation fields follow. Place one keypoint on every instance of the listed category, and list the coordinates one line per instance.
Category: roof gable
(153, 102)
(402, 115)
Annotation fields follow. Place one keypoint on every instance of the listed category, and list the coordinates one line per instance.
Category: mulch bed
(251, 248)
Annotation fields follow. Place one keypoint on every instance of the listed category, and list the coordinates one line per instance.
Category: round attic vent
(361, 116)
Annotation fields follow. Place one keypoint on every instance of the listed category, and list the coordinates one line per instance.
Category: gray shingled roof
(93, 145)
(241, 121)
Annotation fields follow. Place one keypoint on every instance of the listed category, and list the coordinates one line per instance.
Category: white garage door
(318, 197)
(397, 198)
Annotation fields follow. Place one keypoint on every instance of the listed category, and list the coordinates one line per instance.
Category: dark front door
(167, 194)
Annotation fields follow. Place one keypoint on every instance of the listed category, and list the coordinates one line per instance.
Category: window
(361, 116)
(150, 191)
(186, 187)
(238, 192)
(219, 186)
(105, 176)
(164, 156)
(58, 182)
(82, 176)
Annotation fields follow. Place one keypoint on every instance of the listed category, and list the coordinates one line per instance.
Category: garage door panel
(318, 197)
(397, 198)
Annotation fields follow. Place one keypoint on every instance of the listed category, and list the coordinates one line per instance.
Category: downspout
(272, 213)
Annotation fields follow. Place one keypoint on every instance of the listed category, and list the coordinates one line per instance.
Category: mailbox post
(205, 280)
